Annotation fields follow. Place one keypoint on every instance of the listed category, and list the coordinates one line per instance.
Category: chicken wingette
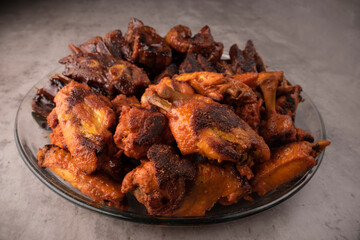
(173, 186)
(287, 162)
(85, 119)
(208, 128)
(98, 186)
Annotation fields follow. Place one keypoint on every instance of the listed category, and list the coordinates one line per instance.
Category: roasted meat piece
(85, 119)
(219, 87)
(139, 129)
(247, 60)
(287, 104)
(122, 100)
(286, 164)
(98, 186)
(145, 46)
(161, 183)
(179, 38)
(276, 128)
(195, 63)
(250, 113)
(43, 102)
(93, 45)
(116, 44)
(169, 71)
(108, 75)
(174, 186)
(209, 128)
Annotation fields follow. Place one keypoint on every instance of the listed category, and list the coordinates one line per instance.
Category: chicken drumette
(170, 185)
(208, 128)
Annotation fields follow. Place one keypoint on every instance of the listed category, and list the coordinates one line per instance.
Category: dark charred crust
(190, 64)
(214, 115)
(77, 95)
(169, 166)
(227, 149)
(152, 129)
(91, 145)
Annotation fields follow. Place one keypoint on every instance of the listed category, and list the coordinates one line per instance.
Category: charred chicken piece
(195, 63)
(219, 87)
(287, 104)
(250, 113)
(287, 163)
(85, 119)
(122, 100)
(98, 186)
(108, 75)
(93, 45)
(139, 129)
(172, 186)
(208, 128)
(247, 60)
(43, 102)
(277, 128)
(145, 46)
(161, 183)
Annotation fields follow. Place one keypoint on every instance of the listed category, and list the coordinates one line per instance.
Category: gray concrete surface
(316, 43)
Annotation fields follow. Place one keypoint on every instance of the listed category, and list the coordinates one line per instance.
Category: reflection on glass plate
(30, 136)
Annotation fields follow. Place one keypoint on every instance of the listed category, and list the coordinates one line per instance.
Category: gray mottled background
(316, 43)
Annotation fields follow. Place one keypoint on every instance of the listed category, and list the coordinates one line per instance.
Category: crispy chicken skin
(122, 100)
(218, 86)
(139, 129)
(251, 113)
(161, 183)
(85, 119)
(208, 128)
(171, 186)
(98, 186)
(108, 75)
(286, 164)
(56, 137)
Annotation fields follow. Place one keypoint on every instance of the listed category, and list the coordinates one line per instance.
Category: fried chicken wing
(219, 86)
(286, 164)
(85, 119)
(277, 128)
(139, 129)
(98, 186)
(145, 46)
(171, 186)
(108, 75)
(161, 183)
(208, 128)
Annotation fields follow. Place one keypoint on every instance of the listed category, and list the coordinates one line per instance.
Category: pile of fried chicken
(169, 121)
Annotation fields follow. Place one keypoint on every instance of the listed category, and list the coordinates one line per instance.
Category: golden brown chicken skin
(171, 186)
(208, 128)
(139, 129)
(98, 186)
(161, 183)
(85, 119)
(286, 164)
(218, 86)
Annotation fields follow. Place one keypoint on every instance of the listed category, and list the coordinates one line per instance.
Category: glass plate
(30, 136)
